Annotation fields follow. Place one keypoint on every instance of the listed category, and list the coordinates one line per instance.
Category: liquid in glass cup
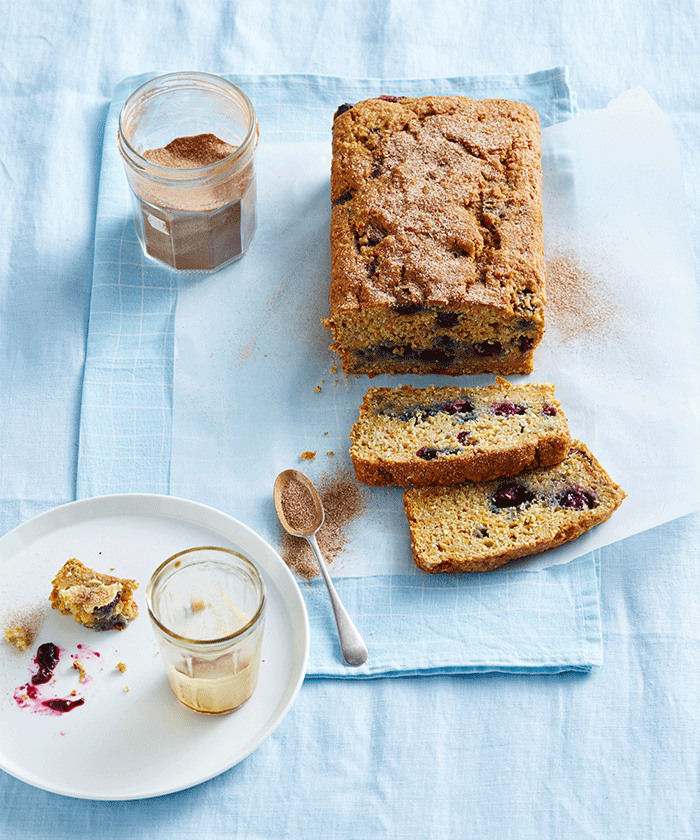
(207, 608)
(188, 142)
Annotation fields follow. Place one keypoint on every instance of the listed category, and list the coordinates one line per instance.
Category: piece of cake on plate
(95, 600)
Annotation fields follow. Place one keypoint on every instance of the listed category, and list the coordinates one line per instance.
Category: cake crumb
(330, 453)
(197, 606)
(308, 456)
(17, 636)
(22, 626)
(126, 688)
(121, 667)
(317, 389)
(78, 665)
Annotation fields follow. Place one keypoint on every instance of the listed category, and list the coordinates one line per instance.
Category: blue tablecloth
(610, 753)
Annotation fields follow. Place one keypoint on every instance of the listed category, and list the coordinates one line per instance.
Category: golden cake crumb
(121, 666)
(78, 666)
(17, 636)
(308, 456)
(450, 434)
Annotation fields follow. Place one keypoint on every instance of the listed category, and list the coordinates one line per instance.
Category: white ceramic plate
(131, 738)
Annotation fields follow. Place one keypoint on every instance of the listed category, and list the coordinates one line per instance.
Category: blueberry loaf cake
(475, 527)
(95, 600)
(447, 435)
(436, 236)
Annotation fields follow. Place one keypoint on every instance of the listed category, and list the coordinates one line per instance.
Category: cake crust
(448, 435)
(436, 236)
(477, 527)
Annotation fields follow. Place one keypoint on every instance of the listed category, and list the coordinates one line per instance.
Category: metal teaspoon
(352, 645)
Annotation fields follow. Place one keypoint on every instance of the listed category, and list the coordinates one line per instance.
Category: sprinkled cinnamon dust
(578, 298)
(342, 502)
(23, 627)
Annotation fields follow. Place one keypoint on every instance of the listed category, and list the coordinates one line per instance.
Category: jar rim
(188, 79)
(242, 631)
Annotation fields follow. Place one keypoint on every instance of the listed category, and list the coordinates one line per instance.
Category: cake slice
(95, 600)
(437, 246)
(448, 435)
(476, 527)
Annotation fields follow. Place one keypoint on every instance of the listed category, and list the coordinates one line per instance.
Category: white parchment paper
(255, 385)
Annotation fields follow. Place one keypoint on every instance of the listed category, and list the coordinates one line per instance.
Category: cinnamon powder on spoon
(342, 502)
(297, 505)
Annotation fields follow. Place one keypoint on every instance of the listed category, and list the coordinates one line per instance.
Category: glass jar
(198, 213)
(207, 609)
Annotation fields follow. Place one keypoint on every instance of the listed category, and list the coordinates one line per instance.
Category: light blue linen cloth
(611, 754)
(517, 621)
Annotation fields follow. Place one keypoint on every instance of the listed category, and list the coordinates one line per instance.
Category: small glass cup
(207, 608)
(202, 217)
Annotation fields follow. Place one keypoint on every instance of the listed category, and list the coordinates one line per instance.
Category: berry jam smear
(29, 695)
(61, 706)
(46, 658)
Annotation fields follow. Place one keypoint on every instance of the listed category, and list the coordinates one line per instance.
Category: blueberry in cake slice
(476, 527)
(95, 600)
(447, 435)
(437, 245)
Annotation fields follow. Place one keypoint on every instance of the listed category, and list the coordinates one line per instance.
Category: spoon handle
(352, 645)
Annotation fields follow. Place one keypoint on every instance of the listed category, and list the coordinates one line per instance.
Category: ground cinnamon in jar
(205, 231)
(193, 196)
(191, 152)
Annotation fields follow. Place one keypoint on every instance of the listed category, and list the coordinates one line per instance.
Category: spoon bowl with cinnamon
(300, 511)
